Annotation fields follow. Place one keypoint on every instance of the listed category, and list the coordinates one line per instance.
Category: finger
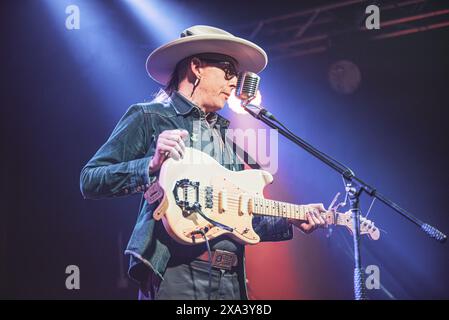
(179, 145)
(315, 219)
(321, 220)
(179, 150)
(313, 209)
(318, 206)
(182, 144)
(166, 133)
(169, 133)
(310, 220)
(170, 144)
(162, 150)
(174, 131)
(172, 152)
(179, 132)
(184, 134)
(167, 142)
(305, 227)
(174, 137)
(179, 140)
(315, 216)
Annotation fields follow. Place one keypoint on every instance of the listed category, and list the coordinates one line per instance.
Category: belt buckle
(224, 259)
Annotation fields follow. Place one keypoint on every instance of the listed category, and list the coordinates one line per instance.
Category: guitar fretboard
(278, 209)
(268, 207)
(275, 208)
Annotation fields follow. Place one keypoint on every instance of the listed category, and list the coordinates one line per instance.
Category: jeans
(190, 281)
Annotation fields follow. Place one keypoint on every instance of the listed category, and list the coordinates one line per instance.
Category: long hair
(177, 75)
(173, 84)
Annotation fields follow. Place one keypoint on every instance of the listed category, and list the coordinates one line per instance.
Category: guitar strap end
(154, 193)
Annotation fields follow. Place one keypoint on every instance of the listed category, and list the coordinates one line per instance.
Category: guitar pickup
(244, 205)
(222, 201)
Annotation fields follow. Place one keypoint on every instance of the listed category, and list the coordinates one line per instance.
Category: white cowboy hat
(204, 39)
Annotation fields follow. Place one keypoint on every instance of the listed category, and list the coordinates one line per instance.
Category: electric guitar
(199, 198)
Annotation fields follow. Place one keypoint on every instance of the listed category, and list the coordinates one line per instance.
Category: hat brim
(162, 61)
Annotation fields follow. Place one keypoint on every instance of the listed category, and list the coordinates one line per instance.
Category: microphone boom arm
(345, 171)
(354, 186)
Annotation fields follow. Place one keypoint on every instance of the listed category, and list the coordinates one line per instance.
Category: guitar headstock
(366, 226)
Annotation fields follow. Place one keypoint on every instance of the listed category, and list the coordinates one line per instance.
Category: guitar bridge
(187, 195)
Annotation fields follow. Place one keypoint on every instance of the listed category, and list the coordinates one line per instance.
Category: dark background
(61, 96)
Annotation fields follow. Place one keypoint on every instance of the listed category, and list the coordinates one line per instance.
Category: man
(199, 71)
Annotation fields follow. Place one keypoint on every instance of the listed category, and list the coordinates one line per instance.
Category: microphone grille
(247, 85)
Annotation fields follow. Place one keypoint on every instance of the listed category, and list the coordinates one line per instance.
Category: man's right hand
(170, 143)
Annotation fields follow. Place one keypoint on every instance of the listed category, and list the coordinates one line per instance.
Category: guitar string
(293, 215)
(234, 200)
(235, 205)
(237, 201)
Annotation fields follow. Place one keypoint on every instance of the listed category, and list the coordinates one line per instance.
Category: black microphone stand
(354, 187)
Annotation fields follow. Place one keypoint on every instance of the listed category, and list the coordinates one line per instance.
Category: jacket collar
(184, 106)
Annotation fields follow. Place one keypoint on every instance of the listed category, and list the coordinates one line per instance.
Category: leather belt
(221, 259)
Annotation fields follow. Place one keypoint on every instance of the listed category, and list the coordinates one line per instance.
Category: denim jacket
(121, 167)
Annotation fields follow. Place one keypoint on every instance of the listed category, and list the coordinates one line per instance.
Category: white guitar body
(199, 167)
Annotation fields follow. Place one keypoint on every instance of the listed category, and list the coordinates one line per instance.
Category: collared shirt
(210, 135)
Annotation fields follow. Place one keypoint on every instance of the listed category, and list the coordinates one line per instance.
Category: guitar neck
(267, 207)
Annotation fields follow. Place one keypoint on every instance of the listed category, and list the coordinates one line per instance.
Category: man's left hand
(314, 218)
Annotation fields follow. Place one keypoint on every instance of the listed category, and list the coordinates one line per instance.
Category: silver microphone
(246, 90)
(247, 86)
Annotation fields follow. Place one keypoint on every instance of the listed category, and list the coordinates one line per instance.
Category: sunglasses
(229, 68)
